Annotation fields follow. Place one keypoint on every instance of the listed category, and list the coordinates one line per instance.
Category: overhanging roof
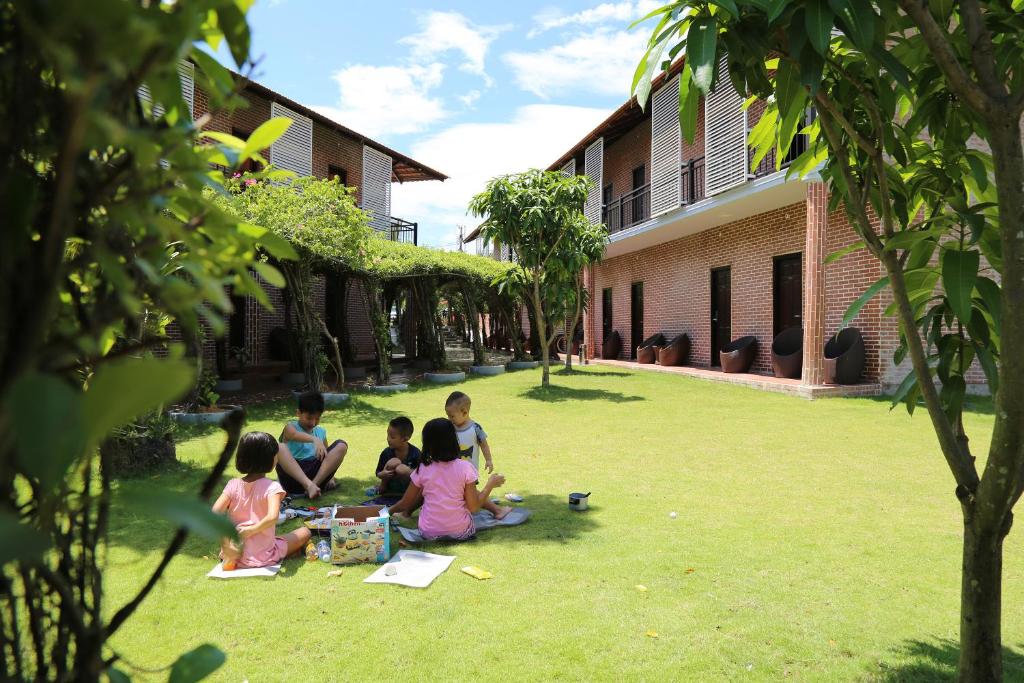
(621, 121)
(404, 168)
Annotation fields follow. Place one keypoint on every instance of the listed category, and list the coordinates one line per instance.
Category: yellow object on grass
(478, 573)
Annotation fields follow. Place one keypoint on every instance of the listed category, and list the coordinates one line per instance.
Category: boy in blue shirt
(308, 464)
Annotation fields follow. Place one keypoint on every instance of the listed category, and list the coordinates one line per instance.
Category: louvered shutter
(725, 136)
(666, 147)
(593, 166)
(293, 150)
(187, 74)
(569, 170)
(376, 187)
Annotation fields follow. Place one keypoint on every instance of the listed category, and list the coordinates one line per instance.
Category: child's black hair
(311, 402)
(256, 453)
(457, 398)
(440, 443)
(402, 425)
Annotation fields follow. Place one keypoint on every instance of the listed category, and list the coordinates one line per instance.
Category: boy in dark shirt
(398, 460)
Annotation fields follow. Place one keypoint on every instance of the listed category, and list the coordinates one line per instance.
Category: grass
(814, 540)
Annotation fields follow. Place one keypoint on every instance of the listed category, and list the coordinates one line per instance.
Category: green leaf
(689, 103)
(727, 5)
(848, 249)
(19, 541)
(903, 389)
(952, 395)
(989, 367)
(858, 19)
(776, 8)
(271, 274)
(818, 20)
(196, 664)
(46, 454)
(792, 100)
(941, 10)
(701, 51)
(990, 295)
(959, 274)
(264, 136)
(124, 389)
(181, 509)
(855, 307)
(979, 171)
(117, 676)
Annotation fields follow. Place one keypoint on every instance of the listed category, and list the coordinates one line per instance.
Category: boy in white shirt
(472, 441)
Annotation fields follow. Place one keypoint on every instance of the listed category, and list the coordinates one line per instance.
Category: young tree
(587, 250)
(105, 227)
(900, 90)
(538, 214)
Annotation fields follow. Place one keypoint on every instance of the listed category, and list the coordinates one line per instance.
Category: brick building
(313, 145)
(702, 246)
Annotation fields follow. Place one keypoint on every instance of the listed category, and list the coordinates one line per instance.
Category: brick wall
(625, 154)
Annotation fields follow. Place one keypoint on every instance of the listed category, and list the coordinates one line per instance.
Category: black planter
(645, 353)
(612, 346)
(675, 352)
(788, 353)
(844, 357)
(738, 355)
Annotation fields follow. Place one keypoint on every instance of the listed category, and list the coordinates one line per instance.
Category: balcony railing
(403, 231)
(629, 209)
(635, 206)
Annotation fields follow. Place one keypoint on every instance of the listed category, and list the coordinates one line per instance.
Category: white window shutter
(376, 187)
(569, 170)
(666, 148)
(593, 167)
(293, 150)
(187, 74)
(725, 137)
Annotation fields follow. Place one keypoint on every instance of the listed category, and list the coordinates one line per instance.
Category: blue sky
(473, 89)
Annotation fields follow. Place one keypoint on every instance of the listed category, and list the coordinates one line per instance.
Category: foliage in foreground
(899, 88)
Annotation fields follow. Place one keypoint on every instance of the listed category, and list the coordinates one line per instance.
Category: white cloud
(601, 62)
(387, 100)
(446, 31)
(473, 153)
(619, 12)
(470, 98)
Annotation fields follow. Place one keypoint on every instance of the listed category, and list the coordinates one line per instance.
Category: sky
(472, 89)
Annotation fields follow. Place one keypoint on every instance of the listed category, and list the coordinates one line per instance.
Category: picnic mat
(482, 520)
(412, 568)
(382, 500)
(218, 572)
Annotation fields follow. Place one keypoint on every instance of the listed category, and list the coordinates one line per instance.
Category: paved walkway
(763, 382)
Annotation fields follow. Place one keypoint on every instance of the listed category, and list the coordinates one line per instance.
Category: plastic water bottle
(323, 549)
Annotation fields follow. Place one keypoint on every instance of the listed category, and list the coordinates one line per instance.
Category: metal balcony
(402, 230)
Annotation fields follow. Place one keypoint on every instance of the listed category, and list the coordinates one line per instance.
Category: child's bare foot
(312, 491)
(502, 512)
(331, 484)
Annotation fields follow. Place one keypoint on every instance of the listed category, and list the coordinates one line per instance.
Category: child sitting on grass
(472, 442)
(398, 460)
(308, 465)
(447, 485)
(253, 503)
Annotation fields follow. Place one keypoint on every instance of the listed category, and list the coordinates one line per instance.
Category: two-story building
(700, 244)
(313, 145)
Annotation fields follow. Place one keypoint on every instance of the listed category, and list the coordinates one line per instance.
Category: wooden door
(606, 313)
(636, 317)
(788, 291)
(721, 312)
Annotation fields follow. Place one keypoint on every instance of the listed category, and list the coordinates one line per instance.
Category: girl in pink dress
(447, 485)
(253, 504)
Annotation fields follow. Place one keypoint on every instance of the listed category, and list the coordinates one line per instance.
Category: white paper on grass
(218, 572)
(413, 568)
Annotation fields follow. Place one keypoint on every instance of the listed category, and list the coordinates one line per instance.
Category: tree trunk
(571, 331)
(340, 369)
(542, 332)
(980, 605)
(473, 325)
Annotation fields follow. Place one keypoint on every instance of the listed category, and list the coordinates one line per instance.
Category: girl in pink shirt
(447, 485)
(253, 503)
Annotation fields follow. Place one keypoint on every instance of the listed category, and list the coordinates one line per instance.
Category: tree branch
(233, 426)
(982, 56)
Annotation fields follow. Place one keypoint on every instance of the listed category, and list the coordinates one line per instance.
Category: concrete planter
(445, 377)
(523, 364)
(228, 385)
(387, 388)
(293, 378)
(487, 370)
(201, 418)
(330, 398)
(356, 372)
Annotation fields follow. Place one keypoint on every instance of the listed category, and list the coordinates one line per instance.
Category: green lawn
(814, 540)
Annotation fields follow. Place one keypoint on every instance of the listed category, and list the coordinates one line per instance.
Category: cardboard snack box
(360, 534)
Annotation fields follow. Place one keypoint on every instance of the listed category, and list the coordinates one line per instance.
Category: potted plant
(333, 396)
(140, 447)
(445, 375)
(201, 406)
(241, 356)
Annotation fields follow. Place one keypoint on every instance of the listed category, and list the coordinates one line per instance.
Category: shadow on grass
(557, 394)
(591, 373)
(551, 521)
(936, 661)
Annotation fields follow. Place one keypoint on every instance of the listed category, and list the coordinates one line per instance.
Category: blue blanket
(482, 520)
